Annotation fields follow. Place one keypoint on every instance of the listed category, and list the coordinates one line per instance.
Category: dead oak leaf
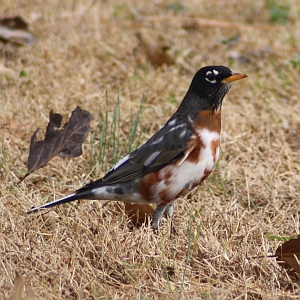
(288, 255)
(155, 48)
(59, 142)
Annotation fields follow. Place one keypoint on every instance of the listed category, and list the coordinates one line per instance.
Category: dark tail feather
(66, 199)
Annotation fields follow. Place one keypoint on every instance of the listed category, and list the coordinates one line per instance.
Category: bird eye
(210, 77)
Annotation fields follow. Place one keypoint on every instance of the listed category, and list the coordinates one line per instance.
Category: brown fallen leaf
(18, 290)
(66, 141)
(138, 214)
(155, 49)
(15, 31)
(288, 255)
(292, 132)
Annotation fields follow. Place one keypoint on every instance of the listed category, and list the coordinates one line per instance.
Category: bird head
(210, 85)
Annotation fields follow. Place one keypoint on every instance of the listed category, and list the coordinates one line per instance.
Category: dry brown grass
(89, 251)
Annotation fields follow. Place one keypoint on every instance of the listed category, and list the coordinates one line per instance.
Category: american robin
(175, 159)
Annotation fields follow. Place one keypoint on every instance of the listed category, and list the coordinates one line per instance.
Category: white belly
(189, 174)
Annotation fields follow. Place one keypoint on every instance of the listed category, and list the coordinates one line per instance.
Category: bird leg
(170, 209)
(159, 212)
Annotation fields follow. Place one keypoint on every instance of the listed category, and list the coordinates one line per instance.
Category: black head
(210, 85)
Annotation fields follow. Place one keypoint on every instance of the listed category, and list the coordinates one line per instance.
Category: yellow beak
(234, 77)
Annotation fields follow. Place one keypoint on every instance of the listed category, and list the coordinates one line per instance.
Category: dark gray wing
(169, 144)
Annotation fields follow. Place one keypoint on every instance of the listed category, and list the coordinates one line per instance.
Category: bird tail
(66, 199)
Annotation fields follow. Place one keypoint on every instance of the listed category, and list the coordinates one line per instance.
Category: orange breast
(179, 178)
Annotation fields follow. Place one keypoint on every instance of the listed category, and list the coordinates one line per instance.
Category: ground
(94, 54)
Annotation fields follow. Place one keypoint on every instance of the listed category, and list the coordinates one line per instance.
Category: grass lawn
(97, 54)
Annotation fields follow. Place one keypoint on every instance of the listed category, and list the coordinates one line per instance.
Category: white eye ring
(211, 75)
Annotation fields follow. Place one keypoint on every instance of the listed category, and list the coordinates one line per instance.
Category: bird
(176, 159)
